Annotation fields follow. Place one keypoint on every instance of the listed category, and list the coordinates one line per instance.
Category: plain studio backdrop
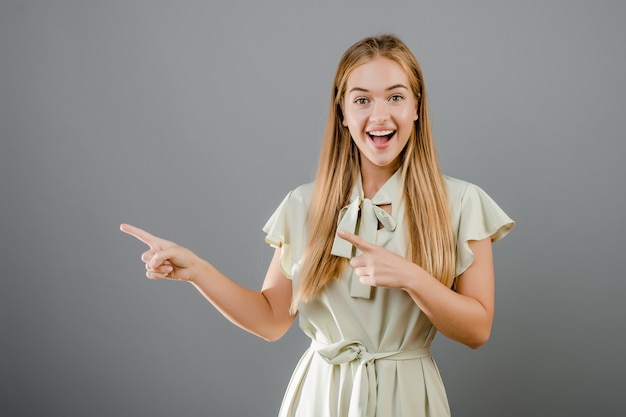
(193, 119)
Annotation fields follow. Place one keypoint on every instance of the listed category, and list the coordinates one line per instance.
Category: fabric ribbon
(363, 397)
(361, 217)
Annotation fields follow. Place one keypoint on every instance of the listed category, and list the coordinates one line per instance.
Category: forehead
(377, 74)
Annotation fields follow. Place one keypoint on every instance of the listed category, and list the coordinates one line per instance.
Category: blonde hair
(430, 238)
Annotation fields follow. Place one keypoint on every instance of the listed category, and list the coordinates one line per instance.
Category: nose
(380, 112)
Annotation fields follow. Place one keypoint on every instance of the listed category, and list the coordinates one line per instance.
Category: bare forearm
(458, 316)
(464, 315)
(265, 313)
(248, 309)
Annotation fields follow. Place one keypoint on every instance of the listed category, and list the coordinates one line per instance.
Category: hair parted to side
(430, 237)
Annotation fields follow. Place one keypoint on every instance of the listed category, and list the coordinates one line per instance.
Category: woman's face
(379, 111)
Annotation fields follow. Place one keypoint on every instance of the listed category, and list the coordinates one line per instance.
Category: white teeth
(381, 133)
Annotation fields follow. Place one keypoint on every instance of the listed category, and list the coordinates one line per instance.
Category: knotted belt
(363, 397)
(366, 214)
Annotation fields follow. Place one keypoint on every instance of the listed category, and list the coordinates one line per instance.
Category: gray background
(193, 119)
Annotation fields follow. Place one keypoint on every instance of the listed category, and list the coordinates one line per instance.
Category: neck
(373, 177)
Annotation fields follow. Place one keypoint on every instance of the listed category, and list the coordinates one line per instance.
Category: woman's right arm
(264, 313)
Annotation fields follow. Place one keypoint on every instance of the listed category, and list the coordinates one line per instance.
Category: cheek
(409, 118)
(354, 132)
(354, 122)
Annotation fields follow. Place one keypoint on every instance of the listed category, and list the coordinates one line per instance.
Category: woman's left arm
(467, 314)
(464, 315)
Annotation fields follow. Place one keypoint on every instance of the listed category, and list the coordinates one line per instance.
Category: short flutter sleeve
(286, 227)
(476, 216)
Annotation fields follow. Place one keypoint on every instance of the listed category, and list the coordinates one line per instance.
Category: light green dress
(369, 353)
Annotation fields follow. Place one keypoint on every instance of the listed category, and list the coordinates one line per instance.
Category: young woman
(375, 256)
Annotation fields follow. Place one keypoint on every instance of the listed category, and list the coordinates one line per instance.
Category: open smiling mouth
(381, 137)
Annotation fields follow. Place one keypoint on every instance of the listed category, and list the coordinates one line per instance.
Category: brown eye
(361, 100)
(396, 98)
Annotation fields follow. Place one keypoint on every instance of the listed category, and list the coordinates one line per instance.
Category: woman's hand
(263, 313)
(164, 259)
(464, 315)
(377, 266)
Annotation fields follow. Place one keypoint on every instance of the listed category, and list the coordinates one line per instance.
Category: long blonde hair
(430, 238)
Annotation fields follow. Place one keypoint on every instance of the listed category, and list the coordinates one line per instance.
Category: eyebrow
(393, 87)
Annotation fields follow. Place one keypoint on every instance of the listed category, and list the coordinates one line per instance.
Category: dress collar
(361, 217)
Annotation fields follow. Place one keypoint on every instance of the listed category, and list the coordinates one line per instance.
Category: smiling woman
(379, 111)
(376, 256)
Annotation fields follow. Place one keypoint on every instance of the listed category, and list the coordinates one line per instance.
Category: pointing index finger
(145, 237)
(357, 241)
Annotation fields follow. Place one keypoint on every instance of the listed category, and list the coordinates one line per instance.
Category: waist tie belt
(363, 397)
